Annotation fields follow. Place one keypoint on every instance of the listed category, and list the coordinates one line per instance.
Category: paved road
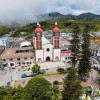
(9, 75)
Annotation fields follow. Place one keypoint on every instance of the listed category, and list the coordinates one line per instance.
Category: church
(44, 49)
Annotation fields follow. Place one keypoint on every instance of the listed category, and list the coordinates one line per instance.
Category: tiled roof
(11, 53)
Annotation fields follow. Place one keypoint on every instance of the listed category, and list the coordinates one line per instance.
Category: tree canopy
(72, 88)
(35, 68)
(38, 88)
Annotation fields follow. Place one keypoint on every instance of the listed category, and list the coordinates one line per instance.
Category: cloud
(23, 11)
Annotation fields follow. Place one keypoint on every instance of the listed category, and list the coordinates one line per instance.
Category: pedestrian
(11, 79)
(58, 66)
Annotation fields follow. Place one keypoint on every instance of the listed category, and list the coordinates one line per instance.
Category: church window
(47, 49)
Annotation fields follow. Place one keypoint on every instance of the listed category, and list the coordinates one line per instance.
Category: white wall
(39, 54)
(4, 42)
(48, 53)
(56, 53)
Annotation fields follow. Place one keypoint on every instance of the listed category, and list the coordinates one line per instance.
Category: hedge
(47, 74)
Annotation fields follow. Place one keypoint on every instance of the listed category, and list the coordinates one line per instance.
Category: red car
(60, 69)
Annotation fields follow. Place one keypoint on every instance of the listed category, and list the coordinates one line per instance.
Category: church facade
(44, 49)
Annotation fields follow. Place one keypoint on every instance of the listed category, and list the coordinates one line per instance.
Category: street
(9, 75)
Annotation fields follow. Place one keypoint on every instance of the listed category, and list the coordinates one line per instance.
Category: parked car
(40, 72)
(28, 74)
(60, 69)
(24, 69)
(23, 76)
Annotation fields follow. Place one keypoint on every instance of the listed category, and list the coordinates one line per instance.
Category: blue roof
(3, 38)
(33, 33)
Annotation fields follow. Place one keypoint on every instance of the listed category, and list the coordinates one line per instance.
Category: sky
(24, 11)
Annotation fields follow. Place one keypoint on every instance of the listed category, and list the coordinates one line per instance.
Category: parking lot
(8, 75)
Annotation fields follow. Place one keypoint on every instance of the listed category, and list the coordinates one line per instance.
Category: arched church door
(56, 58)
(39, 60)
(48, 58)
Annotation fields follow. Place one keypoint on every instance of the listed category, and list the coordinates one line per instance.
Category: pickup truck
(28, 74)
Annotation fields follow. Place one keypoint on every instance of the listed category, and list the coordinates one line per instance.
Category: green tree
(4, 30)
(38, 88)
(3, 92)
(72, 88)
(10, 92)
(75, 43)
(35, 68)
(85, 64)
(19, 94)
(55, 91)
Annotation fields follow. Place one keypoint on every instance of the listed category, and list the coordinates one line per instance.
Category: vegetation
(4, 30)
(36, 89)
(35, 68)
(85, 64)
(72, 88)
(55, 91)
(75, 46)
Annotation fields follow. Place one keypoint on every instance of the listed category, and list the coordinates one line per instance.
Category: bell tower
(56, 43)
(38, 44)
(38, 37)
(56, 37)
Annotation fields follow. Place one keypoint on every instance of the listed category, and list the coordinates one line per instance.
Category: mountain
(58, 16)
(88, 15)
(54, 14)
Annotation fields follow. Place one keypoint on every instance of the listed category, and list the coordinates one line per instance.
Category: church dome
(38, 29)
(56, 29)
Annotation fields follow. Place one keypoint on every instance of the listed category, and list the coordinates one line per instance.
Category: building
(2, 48)
(95, 49)
(66, 34)
(66, 56)
(46, 51)
(4, 41)
(43, 49)
(18, 56)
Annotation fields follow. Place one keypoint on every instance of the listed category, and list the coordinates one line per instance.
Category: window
(11, 64)
(23, 63)
(27, 62)
(31, 57)
(19, 63)
(18, 58)
(4, 59)
(25, 58)
(17, 51)
(47, 49)
(3, 41)
(11, 59)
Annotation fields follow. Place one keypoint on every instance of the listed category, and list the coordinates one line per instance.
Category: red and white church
(44, 49)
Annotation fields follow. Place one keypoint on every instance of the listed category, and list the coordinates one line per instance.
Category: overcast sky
(26, 10)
